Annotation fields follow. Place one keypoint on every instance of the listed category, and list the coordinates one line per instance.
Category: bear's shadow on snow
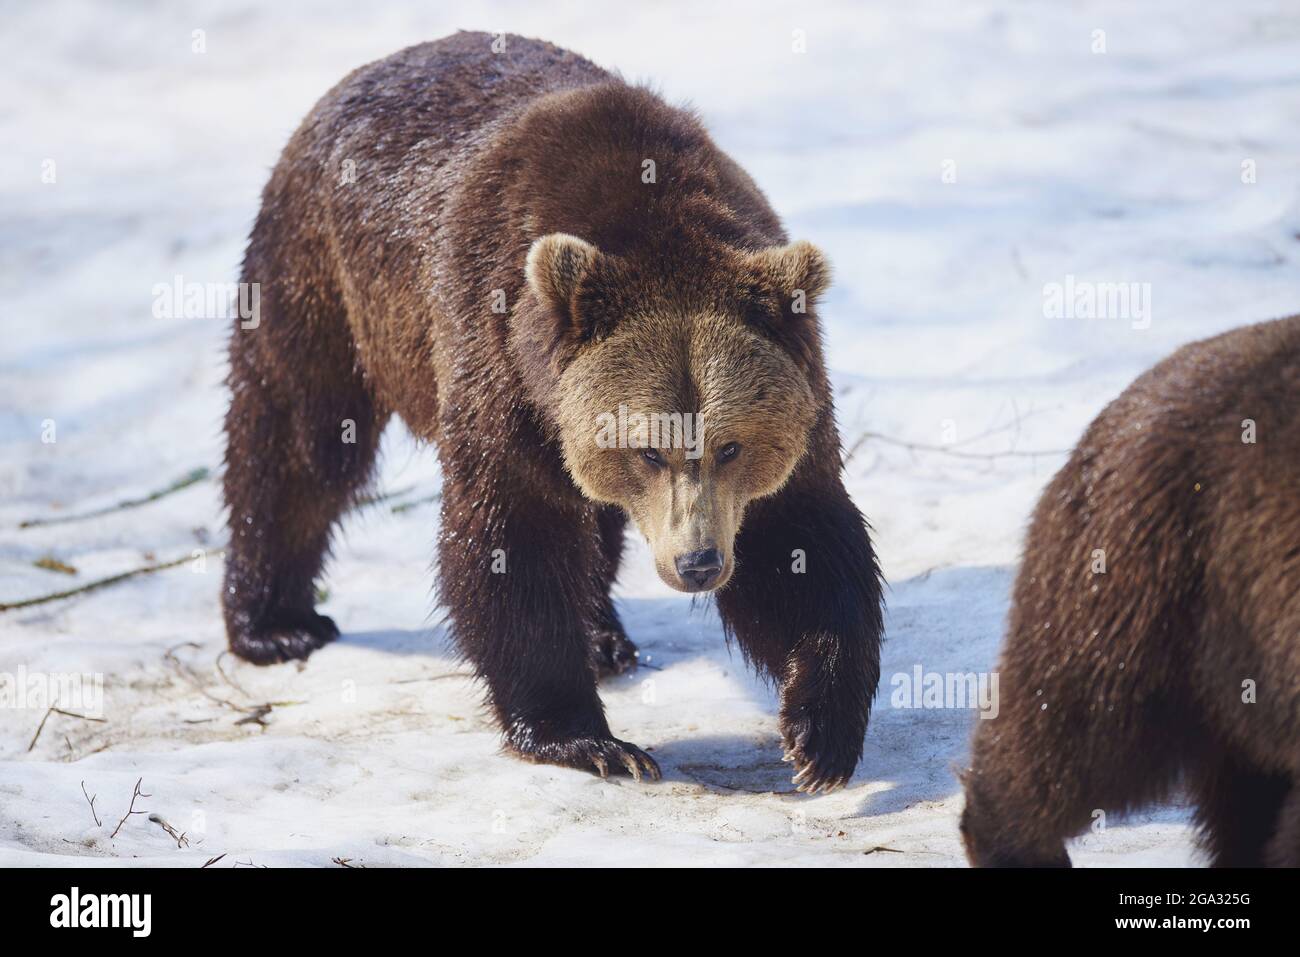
(945, 621)
(430, 641)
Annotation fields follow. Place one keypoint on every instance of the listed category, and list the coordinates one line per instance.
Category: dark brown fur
(375, 300)
(1117, 687)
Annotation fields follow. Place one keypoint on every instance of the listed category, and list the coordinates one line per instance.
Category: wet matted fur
(466, 238)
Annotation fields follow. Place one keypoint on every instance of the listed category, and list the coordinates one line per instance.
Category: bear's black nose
(699, 569)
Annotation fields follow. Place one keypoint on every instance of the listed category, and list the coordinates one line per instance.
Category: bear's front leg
(615, 653)
(520, 575)
(805, 605)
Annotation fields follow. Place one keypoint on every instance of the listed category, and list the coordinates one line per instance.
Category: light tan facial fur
(655, 367)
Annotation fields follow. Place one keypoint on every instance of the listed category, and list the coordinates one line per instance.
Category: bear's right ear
(555, 269)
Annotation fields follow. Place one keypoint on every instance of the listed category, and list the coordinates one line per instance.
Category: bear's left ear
(798, 272)
(789, 280)
(555, 269)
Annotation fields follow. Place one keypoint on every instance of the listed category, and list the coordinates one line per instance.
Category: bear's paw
(287, 636)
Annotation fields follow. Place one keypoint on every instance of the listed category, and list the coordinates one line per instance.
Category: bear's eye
(653, 457)
(728, 452)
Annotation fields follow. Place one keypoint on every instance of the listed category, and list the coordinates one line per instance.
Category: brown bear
(510, 249)
(1154, 638)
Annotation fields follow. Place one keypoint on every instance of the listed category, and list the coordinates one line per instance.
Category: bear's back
(359, 197)
(445, 88)
(1196, 443)
(407, 122)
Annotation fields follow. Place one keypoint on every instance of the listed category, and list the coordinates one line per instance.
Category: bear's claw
(810, 781)
(814, 774)
(286, 637)
(628, 757)
(598, 755)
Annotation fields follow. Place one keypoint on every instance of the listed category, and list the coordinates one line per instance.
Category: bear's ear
(787, 282)
(555, 268)
(798, 272)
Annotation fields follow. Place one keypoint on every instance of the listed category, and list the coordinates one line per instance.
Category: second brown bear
(1154, 639)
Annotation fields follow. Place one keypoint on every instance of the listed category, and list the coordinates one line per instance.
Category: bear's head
(679, 390)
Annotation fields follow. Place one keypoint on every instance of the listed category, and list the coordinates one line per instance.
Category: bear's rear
(1155, 630)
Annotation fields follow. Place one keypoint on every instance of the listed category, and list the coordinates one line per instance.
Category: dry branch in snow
(185, 481)
(137, 793)
(91, 801)
(104, 582)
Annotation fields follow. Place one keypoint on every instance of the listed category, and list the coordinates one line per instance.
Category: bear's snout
(699, 569)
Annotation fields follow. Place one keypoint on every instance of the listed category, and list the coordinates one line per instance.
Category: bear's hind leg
(615, 653)
(1283, 848)
(1008, 821)
(1057, 758)
(301, 435)
(1237, 810)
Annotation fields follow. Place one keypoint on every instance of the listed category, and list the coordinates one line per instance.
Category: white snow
(1124, 166)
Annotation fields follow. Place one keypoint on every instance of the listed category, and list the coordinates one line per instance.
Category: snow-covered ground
(953, 159)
